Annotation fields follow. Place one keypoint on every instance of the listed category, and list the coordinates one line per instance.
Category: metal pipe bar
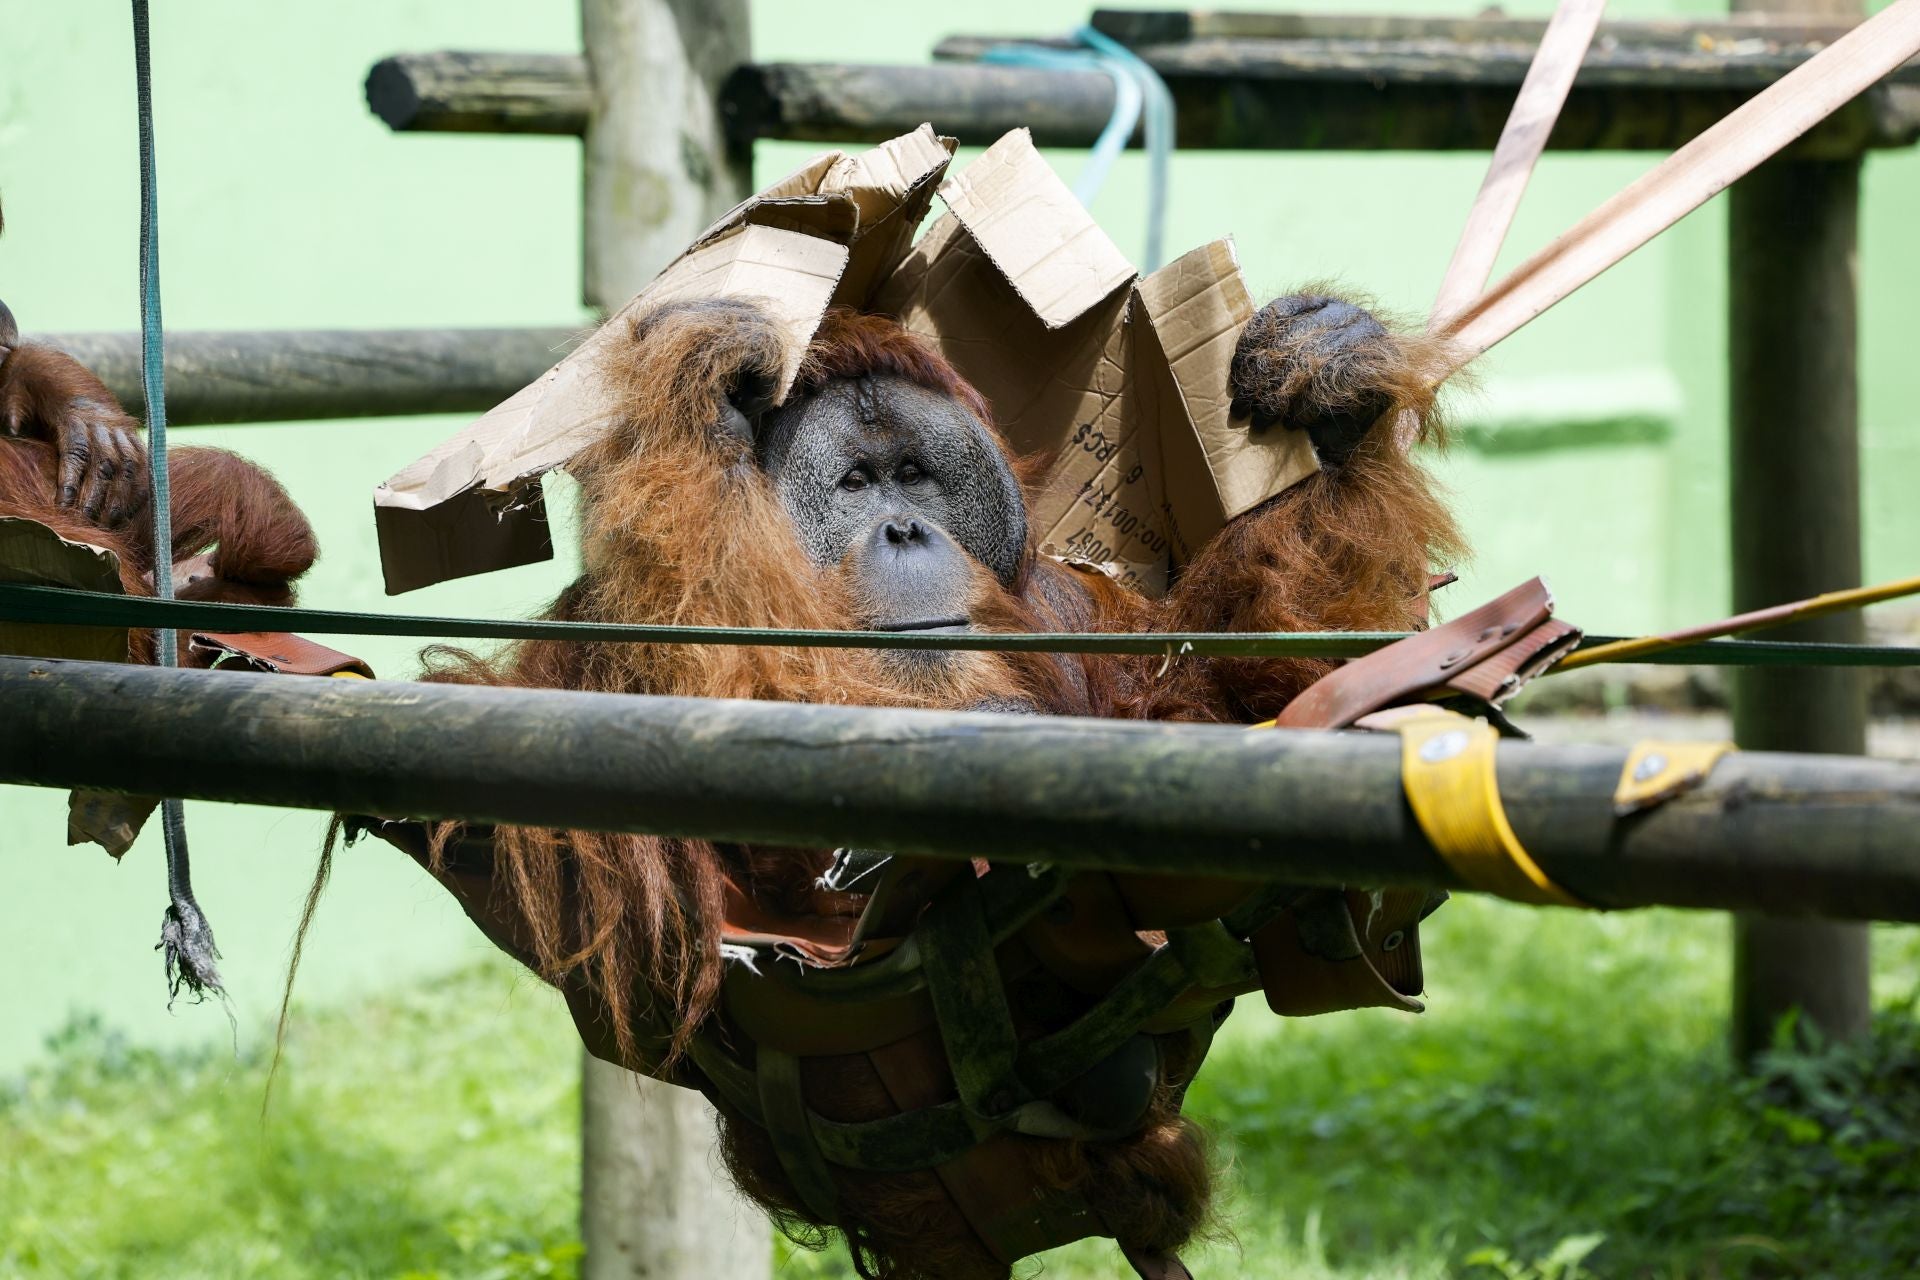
(298, 374)
(1784, 833)
(1318, 94)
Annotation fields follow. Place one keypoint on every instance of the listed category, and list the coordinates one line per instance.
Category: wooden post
(1795, 472)
(654, 1201)
(659, 167)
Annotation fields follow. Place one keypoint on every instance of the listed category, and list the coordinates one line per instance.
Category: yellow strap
(346, 675)
(1657, 771)
(1447, 768)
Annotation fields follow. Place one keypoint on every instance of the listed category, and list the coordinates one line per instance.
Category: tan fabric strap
(1691, 176)
(1562, 49)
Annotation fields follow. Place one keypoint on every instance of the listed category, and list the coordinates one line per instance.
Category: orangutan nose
(901, 533)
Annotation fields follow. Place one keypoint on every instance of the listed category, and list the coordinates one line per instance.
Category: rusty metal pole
(1795, 474)
(654, 1200)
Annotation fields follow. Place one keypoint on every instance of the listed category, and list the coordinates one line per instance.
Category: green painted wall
(285, 204)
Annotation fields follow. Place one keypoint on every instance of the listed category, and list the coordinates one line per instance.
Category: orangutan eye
(909, 474)
(855, 480)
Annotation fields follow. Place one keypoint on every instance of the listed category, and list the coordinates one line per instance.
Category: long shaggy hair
(681, 526)
(1349, 548)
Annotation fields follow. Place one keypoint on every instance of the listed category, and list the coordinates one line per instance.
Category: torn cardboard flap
(474, 503)
(1037, 233)
(1215, 468)
(842, 197)
(1026, 296)
(108, 819)
(34, 555)
(883, 180)
(1127, 390)
(892, 185)
(1122, 383)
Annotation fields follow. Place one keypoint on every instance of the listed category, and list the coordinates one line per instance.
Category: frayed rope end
(190, 954)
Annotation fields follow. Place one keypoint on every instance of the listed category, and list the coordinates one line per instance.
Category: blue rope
(185, 937)
(1137, 90)
(1159, 131)
(153, 382)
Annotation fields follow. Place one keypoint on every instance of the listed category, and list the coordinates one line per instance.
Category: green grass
(1563, 1111)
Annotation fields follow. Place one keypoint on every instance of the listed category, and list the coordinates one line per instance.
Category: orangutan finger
(102, 467)
(128, 492)
(76, 448)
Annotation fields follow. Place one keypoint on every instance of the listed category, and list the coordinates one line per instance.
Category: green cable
(63, 606)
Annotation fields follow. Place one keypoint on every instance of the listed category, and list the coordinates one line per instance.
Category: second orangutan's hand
(46, 394)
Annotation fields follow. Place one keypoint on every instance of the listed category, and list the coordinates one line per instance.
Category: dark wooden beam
(1680, 58)
(1431, 87)
(1735, 36)
(298, 374)
(863, 103)
(455, 92)
(1799, 834)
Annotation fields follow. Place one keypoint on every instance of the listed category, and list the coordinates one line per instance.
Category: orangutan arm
(1349, 548)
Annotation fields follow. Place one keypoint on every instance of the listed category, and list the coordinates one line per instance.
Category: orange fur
(680, 526)
(257, 541)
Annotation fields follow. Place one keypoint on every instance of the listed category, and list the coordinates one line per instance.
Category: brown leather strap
(1488, 653)
(1013, 1211)
(1341, 949)
(1351, 949)
(1507, 672)
(279, 651)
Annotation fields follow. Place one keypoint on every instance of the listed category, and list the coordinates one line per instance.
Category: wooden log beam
(1317, 93)
(862, 103)
(1786, 833)
(482, 92)
(1678, 57)
(1739, 37)
(299, 374)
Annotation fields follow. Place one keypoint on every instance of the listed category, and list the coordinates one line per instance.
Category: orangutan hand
(46, 394)
(1312, 362)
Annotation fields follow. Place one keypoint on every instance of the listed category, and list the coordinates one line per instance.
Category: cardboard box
(1121, 381)
(31, 554)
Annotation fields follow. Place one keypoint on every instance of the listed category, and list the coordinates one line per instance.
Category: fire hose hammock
(1142, 875)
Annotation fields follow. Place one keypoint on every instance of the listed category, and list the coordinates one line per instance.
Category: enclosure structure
(1328, 82)
(665, 93)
